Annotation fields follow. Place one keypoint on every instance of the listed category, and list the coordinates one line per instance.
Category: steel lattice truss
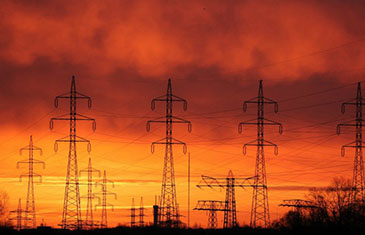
(71, 217)
(230, 183)
(212, 207)
(260, 215)
(168, 209)
(358, 171)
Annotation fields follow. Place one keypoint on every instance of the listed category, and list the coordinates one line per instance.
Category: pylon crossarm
(343, 106)
(265, 143)
(346, 124)
(173, 142)
(351, 145)
(248, 122)
(35, 161)
(78, 139)
(31, 175)
(33, 148)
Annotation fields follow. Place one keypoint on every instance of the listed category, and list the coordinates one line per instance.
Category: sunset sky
(309, 54)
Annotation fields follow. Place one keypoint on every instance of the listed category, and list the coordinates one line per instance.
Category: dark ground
(165, 231)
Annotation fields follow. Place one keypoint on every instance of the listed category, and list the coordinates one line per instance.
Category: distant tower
(89, 220)
(133, 214)
(30, 213)
(71, 217)
(229, 182)
(168, 209)
(19, 216)
(358, 171)
(104, 193)
(230, 218)
(260, 215)
(141, 213)
(212, 207)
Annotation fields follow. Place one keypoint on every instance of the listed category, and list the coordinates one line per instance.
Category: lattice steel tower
(260, 215)
(104, 193)
(212, 207)
(89, 218)
(141, 213)
(30, 214)
(230, 183)
(71, 217)
(358, 144)
(168, 210)
(133, 214)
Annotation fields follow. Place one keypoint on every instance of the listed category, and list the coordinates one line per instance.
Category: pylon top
(359, 96)
(73, 84)
(169, 87)
(230, 174)
(261, 92)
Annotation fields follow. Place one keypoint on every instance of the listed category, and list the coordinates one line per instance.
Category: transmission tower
(141, 213)
(133, 214)
(230, 183)
(298, 205)
(168, 211)
(71, 217)
(30, 214)
(358, 171)
(19, 216)
(260, 215)
(89, 219)
(212, 207)
(104, 193)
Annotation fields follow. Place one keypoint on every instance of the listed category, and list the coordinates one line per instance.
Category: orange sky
(122, 53)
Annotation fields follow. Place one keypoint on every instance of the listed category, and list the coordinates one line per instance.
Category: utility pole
(133, 214)
(358, 171)
(212, 207)
(260, 215)
(141, 213)
(71, 216)
(104, 193)
(89, 219)
(168, 209)
(230, 183)
(30, 212)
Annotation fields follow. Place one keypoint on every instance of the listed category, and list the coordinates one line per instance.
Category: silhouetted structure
(230, 182)
(89, 218)
(212, 207)
(358, 171)
(298, 204)
(19, 216)
(168, 209)
(104, 193)
(141, 213)
(260, 215)
(71, 217)
(133, 214)
(30, 212)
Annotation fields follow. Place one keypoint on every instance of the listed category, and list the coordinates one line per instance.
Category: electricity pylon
(298, 205)
(71, 216)
(168, 211)
(358, 171)
(212, 207)
(89, 219)
(104, 193)
(30, 214)
(230, 183)
(141, 213)
(19, 216)
(260, 215)
(133, 214)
